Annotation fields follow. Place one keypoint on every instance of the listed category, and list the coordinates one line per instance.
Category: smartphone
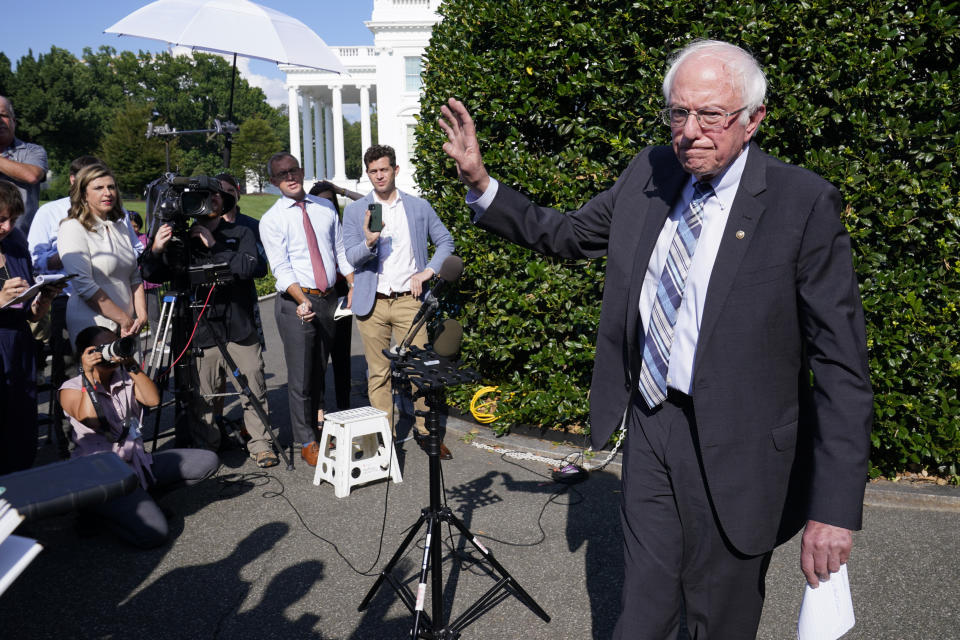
(376, 216)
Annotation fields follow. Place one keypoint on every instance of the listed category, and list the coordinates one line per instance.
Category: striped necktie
(663, 316)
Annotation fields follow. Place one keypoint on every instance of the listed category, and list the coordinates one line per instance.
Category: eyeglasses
(708, 119)
(289, 174)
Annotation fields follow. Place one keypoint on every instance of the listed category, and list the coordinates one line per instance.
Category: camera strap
(91, 392)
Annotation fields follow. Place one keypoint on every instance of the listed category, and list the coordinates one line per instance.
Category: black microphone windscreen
(447, 342)
(451, 269)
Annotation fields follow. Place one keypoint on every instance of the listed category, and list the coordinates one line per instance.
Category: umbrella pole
(228, 142)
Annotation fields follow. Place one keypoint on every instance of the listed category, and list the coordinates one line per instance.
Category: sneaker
(265, 459)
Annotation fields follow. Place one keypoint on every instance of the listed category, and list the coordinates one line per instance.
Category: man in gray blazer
(731, 346)
(391, 267)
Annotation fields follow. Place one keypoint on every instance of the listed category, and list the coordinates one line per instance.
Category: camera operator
(230, 317)
(104, 404)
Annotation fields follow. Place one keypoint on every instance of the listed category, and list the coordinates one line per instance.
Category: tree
(57, 106)
(6, 76)
(252, 147)
(135, 159)
(66, 104)
(564, 95)
(352, 146)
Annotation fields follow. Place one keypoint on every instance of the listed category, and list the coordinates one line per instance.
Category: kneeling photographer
(214, 245)
(105, 406)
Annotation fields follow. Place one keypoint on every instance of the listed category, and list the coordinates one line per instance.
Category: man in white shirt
(392, 267)
(302, 239)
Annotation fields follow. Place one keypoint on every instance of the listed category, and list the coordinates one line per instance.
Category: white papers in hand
(827, 611)
(342, 310)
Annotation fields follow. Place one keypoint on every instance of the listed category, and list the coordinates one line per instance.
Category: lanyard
(88, 386)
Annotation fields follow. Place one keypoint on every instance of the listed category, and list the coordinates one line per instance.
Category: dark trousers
(343, 334)
(60, 349)
(306, 347)
(675, 554)
(135, 517)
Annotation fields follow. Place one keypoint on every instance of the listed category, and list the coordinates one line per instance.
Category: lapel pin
(740, 234)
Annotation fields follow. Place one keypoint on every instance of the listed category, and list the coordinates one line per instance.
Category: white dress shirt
(284, 240)
(716, 210)
(43, 236)
(394, 249)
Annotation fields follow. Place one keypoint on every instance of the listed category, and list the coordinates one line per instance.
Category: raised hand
(462, 145)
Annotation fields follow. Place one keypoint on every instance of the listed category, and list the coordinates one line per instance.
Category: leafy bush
(566, 93)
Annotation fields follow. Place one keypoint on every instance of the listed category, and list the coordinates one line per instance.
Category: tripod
(170, 332)
(182, 390)
(430, 374)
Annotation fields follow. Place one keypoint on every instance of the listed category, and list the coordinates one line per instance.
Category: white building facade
(384, 78)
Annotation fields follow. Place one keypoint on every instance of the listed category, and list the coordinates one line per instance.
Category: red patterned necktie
(320, 276)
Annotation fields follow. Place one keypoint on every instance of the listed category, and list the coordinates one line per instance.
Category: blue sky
(72, 25)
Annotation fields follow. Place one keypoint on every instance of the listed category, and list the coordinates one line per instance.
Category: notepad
(45, 280)
(342, 310)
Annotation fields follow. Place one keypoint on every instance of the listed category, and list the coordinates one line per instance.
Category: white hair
(745, 71)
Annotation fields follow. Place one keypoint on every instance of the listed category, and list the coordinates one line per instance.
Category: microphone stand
(431, 306)
(431, 374)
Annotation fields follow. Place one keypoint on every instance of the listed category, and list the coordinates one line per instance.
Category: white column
(339, 167)
(307, 162)
(319, 151)
(364, 119)
(328, 137)
(293, 117)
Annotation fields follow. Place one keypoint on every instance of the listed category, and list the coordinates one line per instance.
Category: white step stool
(358, 455)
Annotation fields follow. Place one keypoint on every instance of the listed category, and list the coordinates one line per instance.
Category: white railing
(354, 52)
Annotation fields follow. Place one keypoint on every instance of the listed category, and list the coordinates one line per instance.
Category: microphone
(450, 272)
(449, 337)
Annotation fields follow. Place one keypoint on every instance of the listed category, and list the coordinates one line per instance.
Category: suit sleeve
(354, 242)
(840, 398)
(441, 239)
(580, 234)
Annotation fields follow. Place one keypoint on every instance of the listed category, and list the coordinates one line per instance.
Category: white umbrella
(231, 26)
(237, 27)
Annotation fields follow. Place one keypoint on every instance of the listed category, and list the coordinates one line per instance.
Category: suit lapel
(661, 192)
(737, 236)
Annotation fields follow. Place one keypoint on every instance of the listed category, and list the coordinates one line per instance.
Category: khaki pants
(389, 318)
(212, 373)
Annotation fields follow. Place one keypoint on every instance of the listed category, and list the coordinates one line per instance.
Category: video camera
(177, 199)
(180, 202)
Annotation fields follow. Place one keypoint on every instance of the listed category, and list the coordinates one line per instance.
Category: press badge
(133, 424)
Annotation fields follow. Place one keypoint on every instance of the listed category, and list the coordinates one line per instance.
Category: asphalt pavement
(266, 554)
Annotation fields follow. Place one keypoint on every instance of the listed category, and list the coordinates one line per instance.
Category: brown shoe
(444, 452)
(309, 453)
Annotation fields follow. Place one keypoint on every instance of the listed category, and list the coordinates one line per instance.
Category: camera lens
(194, 203)
(120, 349)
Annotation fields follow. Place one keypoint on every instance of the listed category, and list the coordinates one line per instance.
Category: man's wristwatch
(133, 368)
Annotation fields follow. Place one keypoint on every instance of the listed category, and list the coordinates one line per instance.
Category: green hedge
(565, 93)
